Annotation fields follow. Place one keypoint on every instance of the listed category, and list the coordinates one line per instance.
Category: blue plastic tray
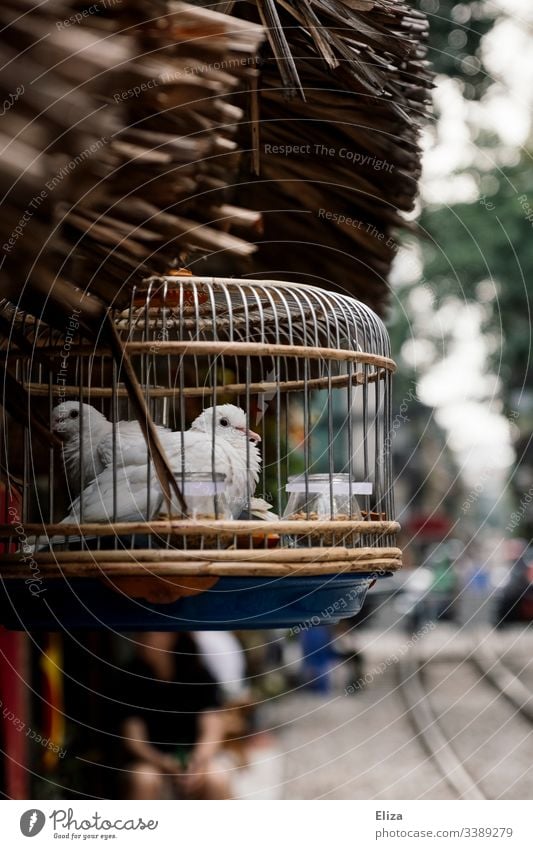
(232, 603)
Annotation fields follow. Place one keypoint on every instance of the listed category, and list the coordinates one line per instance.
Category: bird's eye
(224, 422)
(74, 414)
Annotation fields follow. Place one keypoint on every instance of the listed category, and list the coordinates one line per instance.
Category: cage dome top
(246, 311)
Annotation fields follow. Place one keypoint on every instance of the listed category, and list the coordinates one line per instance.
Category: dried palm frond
(337, 199)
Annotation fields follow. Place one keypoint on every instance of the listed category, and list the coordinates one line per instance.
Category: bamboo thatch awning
(337, 154)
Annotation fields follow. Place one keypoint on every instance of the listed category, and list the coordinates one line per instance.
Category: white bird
(88, 437)
(128, 489)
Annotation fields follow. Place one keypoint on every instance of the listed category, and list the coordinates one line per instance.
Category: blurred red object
(9, 500)
(434, 527)
(14, 668)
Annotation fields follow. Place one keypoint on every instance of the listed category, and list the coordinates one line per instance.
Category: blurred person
(347, 650)
(173, 727)
(224, 658)
(474, 580)
(444, 587)
(318, 656)
(250, 754)
(513, 596)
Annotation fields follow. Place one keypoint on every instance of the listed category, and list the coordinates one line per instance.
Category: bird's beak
(58, 429)
(253, 437)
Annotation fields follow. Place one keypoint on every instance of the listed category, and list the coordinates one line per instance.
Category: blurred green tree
(478, 252)
(483, 252)
(456, 31)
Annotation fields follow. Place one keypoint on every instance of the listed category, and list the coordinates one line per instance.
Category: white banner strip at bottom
(239, 825)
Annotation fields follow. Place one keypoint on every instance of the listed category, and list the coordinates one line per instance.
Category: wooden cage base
(191, 527)
(219, 562)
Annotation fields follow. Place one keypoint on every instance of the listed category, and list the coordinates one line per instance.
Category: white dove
(87, 457)
(138, 494)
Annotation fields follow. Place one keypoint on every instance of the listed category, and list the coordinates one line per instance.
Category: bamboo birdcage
(311, 369)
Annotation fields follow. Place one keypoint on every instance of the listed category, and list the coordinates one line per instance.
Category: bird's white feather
(91, 442)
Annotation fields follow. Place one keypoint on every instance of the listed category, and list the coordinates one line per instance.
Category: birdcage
(303, 377)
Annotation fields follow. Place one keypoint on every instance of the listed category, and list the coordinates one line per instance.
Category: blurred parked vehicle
(514, 594)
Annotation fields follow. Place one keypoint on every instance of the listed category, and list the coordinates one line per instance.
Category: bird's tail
(44, 542)
(260, 509)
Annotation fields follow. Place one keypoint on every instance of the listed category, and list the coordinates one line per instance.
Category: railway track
(502, 677)
(439, 724)
(474, 718)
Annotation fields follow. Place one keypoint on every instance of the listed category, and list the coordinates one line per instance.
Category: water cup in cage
(205, 497)
(320, 498)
